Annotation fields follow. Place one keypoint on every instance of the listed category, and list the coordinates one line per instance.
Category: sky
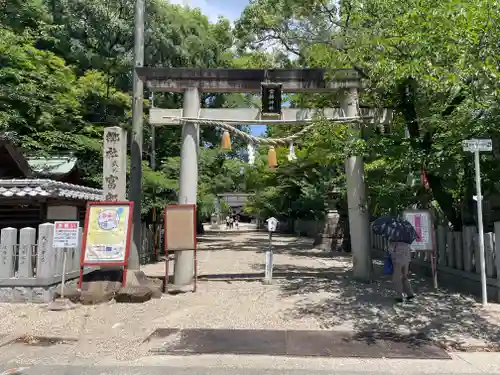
(230, 9)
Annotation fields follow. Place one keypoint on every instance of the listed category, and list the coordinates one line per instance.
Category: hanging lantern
(291, 152)
(225, 143)
(271, 158)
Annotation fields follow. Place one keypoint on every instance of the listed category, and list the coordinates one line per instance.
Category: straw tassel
(225, 143)
(271, 158)
(251, 153)
(291, 152)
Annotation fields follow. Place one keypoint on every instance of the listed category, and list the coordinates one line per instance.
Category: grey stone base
(179, 289)
(33, 290)
(27, 294)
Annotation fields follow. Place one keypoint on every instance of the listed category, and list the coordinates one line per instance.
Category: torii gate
(191, 82)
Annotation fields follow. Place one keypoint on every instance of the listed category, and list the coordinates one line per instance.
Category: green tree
(435, 64)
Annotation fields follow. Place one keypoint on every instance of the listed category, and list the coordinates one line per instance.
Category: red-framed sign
(106, 236)
(180, 234)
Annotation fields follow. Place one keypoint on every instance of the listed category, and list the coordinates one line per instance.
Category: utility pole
(135, 194)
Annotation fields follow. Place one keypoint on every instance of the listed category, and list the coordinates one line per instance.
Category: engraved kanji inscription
(111, 197)
(111, 181)
(112, 137)
(111, 152)
(114, 166)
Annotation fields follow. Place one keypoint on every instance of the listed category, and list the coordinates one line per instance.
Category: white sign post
(272, 224)
(65, 236)
(476, 146)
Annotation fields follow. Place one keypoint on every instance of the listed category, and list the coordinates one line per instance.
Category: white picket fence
(458, 254)
(28, 259)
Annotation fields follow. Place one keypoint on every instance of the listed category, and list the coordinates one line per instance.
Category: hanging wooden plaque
(271, 99)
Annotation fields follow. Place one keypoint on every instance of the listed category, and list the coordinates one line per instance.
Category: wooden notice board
(180, 234)
(180, 227)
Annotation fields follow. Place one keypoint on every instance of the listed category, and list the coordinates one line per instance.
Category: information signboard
(106, 235)
(477, 145)
(426, 239)
(65, 234)
(422, 222)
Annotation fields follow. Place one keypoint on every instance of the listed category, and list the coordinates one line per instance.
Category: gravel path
(317, 293)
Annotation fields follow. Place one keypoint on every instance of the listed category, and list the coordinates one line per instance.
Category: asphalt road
(167, 370)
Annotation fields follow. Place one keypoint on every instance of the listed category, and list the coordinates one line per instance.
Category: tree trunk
(407, 106)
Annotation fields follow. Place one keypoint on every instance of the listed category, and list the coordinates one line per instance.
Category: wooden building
(38, 190)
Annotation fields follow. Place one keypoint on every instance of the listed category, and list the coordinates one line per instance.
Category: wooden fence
(458, 257)
(151, 249)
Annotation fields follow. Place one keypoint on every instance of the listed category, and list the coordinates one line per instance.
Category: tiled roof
(48, 188)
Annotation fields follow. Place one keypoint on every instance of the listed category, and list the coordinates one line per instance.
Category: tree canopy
(434, 64)
(65, 74)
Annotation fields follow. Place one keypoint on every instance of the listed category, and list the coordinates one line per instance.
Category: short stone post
(459, 255)
(441, 244)
(58, 261)
(27, 242)
(468, 247)
(489, 249)
(8, 243)
(450, 246)
(69, 259)
(476, 252)
(77, 251)
(497, 256)
(45, 267)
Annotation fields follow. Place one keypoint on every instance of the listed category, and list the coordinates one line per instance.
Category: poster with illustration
(422, 222)
(107, 233)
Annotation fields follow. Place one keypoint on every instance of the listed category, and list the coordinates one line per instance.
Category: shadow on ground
(333, 298)
(336, 300)
(260, 243)
(212, 239)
